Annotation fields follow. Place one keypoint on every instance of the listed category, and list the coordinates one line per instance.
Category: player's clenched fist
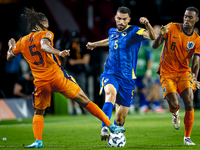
(64, 53)
(164, 29)
(90, 46)
(11, 42)
(144, 20)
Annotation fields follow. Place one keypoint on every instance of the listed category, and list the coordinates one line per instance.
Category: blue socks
(107, 109)
(142, 100)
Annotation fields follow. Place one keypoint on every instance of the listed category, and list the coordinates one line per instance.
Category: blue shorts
(125, 88)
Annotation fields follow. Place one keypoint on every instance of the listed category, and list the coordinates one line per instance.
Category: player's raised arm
(11, 45)
(102, 43)
(46, 47)
(160, 38)
(149, 34)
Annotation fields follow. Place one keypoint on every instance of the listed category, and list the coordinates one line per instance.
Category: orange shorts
(176, 84)
(62, 84)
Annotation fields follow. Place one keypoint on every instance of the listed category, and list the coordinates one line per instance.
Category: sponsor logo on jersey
(106, 80)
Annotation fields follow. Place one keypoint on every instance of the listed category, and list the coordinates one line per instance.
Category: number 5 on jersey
(116, 45)
(36, 53)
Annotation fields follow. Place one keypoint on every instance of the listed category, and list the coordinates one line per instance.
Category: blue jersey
(123, 49)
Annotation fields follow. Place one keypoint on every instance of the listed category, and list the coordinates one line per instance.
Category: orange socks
(188, 121)
(174, 111)
(38, 124)
(96, 111)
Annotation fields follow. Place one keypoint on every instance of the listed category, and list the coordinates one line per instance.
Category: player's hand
(164, 29)
(90, 46)
(197, 84)
(144, 20)
(11, 43)
(64, 53)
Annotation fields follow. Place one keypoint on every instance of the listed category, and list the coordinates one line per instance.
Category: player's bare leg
(172, 100)
(121, 113)
(187, 96)
(38, 124)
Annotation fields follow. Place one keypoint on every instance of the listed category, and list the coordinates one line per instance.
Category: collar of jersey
(33, 31)
(124, 29)
(186, 33)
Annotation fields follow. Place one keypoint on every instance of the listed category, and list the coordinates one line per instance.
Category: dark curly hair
(34, 19)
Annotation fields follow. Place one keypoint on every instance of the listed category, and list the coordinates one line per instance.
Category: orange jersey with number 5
(43, 65)
(177, 50)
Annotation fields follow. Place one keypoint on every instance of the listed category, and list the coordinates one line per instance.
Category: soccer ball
(116, 140)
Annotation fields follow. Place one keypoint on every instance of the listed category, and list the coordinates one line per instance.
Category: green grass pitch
(149, 131)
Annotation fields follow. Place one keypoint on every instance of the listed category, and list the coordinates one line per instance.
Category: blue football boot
(36, 144)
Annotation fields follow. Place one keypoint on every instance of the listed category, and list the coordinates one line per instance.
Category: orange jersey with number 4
(43, 65)
(177, 50)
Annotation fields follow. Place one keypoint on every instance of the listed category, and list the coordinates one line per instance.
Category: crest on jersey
(48, 34)
(190, 45)
(124, 33)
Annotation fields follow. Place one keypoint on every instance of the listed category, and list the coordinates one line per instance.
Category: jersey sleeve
(197, 49)
(48, 35)
(139, 33)
(17, 49)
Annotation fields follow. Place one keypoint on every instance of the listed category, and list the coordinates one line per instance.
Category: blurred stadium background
(92, 19)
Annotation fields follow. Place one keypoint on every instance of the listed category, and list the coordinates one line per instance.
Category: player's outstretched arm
(160, 38)
(102, 43)
(46, 47)
(11, 45)
(149, 34)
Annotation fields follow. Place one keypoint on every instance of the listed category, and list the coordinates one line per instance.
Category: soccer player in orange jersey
(49, 76)
(180, 43)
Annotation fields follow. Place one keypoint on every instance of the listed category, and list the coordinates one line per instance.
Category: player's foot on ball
(36, 144)
(176, 120)
(116, 129)
(104, 133)
(187, 141)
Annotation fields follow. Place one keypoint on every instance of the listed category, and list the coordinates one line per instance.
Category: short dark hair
(193, 9)
(124, 10)
(33, 19)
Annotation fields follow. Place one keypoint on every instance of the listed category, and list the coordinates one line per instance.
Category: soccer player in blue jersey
(119, 71)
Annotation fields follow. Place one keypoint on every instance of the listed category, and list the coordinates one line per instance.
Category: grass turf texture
(149, 131)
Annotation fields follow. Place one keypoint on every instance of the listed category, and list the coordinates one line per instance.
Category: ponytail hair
(33, 19)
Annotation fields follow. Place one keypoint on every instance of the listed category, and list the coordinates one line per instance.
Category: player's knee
(189, 102)
(174, 105)
(110, 96)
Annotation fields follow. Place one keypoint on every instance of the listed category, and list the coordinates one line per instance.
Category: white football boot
(104, 133)
(187, 141)
(176, 120)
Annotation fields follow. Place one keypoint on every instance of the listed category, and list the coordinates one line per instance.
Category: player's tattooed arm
(11, 45)
(102, 43)
(195, 70)
(149, 34)
(46, 47)
(160, 38)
